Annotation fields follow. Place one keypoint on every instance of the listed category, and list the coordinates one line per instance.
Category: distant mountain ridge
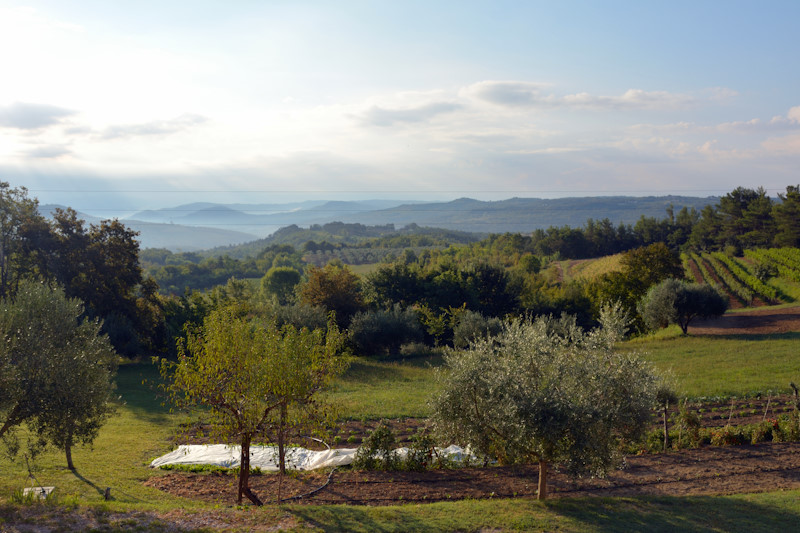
(201, 226)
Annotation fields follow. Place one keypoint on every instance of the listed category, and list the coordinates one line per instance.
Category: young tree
(57, 369)
(253, 378)
(677, 302)
(549, 392)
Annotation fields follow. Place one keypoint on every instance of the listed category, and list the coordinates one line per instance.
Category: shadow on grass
(663, 514)
(138, 385)
(695, 513)
(788, 336)
(80, 477)
(335, 518)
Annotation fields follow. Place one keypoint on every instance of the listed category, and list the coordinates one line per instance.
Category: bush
(421, 452)
(377, 450)
(383, 332)
(301, 316)
(472, 326)
(418, 349)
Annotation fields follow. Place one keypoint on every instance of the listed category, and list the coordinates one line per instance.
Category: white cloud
(155, 127)
(48, 152)
(26, 116)
(378, 116)
(529, 94)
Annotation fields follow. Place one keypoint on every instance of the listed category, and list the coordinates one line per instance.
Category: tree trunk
(244, 474)
(282, 440)
(68, 451)
(666, 428)
(542, 494)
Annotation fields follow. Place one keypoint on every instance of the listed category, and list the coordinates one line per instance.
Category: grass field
(142, 430)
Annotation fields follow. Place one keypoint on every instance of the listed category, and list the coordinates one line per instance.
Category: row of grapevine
(707, 277)
(791, 256)
(730, 281)
(762, 289)
(785, 266)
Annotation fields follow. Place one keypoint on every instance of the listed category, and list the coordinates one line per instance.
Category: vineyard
(763, 276)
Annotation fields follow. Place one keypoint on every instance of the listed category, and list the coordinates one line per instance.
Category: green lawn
(373, 389)
(736, 365)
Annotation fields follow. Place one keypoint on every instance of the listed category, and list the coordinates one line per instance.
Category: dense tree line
(96, 263)
(177, 273)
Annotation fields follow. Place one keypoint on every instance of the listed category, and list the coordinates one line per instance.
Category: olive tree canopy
(546, 391)
(56, 368)
(677, 302)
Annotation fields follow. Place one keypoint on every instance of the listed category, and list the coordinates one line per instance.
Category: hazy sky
(167, 102)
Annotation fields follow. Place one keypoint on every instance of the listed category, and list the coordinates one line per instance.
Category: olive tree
(677, 302)
(57, 368)
(253, 379)
(546, 391)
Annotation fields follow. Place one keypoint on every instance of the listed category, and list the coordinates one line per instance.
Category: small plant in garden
(377, 450)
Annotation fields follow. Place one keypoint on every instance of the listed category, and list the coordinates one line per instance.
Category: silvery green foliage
(545, 390)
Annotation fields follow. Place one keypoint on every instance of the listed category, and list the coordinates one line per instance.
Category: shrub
(472, 326)
(301, 316)
(377, 450)
(383, 332)
(421, 452)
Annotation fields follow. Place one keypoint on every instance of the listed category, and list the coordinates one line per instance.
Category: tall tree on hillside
(787, 217)
(99, 264)
(22, 229)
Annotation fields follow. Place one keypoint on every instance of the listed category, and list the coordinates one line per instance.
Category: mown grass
(374, 389)
(778, 511)
(766, 512)
(730, 365)
(139, 432)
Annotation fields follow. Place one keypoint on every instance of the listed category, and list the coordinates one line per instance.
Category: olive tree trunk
(542, 493)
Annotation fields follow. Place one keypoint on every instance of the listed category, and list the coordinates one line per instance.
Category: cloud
(48, 152)
(378, 116)
(25, 116)
(528, 94)
(156, 127)
(794, 114)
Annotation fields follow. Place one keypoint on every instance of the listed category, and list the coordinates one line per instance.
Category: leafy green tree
(22, 231)
(336, 288)
(99, 264)
(253, 379)
(384, 331)
(641, 269)
(56, 368)
(281, 281)
(677, 302)
(549, 392)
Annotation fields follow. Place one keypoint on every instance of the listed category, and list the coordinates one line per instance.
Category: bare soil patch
(710, 470)
(761, 321)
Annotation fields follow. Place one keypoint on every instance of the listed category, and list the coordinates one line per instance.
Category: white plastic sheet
(266, 457)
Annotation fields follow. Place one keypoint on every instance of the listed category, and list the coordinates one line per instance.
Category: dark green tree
(787, 217)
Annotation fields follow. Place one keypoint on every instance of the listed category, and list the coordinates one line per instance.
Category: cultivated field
(735, 370)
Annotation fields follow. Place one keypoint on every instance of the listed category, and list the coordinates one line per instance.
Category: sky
(123, 106)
